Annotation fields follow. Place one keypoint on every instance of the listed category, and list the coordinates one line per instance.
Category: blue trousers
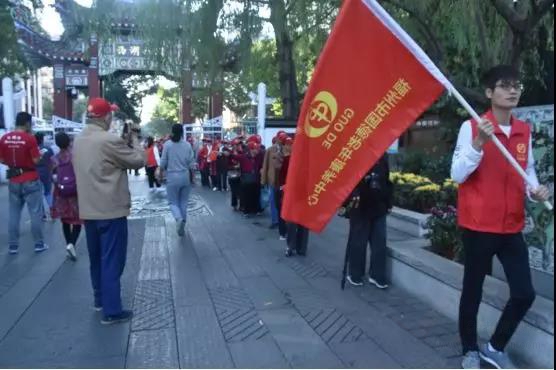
(107, 246)
(30, 193)
(273, 209)
(178, 188)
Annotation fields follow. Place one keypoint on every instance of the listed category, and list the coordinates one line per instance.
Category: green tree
(168, 106)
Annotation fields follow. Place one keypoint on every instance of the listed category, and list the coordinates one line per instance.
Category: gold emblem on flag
(321, 114)
(521, 148)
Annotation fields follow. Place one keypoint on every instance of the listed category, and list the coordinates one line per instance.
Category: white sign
(65, 124)
(213, 122)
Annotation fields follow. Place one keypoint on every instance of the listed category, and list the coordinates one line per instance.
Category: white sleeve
(157, 155)
(531, 172)
(466, 159)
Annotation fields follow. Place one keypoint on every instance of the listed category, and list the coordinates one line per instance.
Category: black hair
(499, 73)
(62, 140)
(23, 119)
(177, 133)
(150, 141)
(40, 138)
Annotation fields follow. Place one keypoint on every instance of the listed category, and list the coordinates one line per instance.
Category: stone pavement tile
(264, 294)
(260, 354)
(200, 341)
(27, 274)
(364, 355)
(241, 264)
(396, 342)
(449, 351)
(150, 349)
(60, 328)
(442, 340)
(301, 346)
(188, 286)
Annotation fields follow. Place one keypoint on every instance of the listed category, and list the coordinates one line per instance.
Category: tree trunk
(286, 65)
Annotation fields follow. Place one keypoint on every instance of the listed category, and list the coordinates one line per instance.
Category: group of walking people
(90, 188)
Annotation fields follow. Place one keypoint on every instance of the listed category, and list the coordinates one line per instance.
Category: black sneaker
(124, 316)
(289, 252)
(354, 281)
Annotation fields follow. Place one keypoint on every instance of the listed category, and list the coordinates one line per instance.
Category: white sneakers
(70, 249)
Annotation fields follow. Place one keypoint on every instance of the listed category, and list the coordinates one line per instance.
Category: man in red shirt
(491, 213)
(20, 152)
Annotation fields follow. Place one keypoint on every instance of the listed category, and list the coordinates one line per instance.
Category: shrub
(444, 234)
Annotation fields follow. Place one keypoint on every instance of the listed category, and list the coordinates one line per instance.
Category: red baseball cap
(253, 145)
(99, 107)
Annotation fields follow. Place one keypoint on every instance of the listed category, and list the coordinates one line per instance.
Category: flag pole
(497, 142)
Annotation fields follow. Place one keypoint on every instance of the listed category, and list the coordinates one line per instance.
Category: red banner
(369, 86)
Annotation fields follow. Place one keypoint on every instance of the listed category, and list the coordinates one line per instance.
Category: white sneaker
(283, 238)
(377, 284)
(70, 249)
(214, 189)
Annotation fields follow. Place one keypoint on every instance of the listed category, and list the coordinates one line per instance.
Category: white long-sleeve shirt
(466, 159)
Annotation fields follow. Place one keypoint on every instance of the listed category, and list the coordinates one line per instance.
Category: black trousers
(71, 233)
(251, 197)
(512, 251)
(298, 238)
(363, 231)
(282, 225)
(215, 181)
(152, 178)
(205, 177)
(235, 187)
(222, 180)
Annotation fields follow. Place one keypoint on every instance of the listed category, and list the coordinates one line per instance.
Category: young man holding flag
(491, 213)
(345, 127)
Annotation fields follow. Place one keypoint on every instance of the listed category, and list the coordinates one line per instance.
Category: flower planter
(410, 222)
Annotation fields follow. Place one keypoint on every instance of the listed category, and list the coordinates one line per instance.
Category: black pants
(152, 178)
(215, 181)
(205, 177)
(363, 231)
(71, 233)
(298, 238)
(513, 253)
(282, 226)
(250, 197)
(222, 180)
(235, 187)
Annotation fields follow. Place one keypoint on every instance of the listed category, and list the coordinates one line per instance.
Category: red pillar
(187, 97)
(62, 98)
(93, 78)
(216, 104)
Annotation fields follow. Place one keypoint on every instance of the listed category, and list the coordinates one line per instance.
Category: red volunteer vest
(151, 159)
(492, 199)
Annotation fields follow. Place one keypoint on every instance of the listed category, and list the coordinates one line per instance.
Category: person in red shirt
(153, 162)
(491, 214)
(20, 152)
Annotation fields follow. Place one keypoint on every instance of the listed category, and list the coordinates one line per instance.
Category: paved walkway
(223, 296)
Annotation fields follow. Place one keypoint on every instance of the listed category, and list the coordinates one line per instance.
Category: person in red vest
(153, 162)
(491, 213)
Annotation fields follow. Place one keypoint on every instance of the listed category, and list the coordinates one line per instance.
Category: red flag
(371, 82)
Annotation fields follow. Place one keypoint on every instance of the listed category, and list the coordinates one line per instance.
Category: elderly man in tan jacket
(101, 160)
(269, 174)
